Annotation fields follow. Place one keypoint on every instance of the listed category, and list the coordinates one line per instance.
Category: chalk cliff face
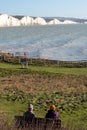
(69, 22)
(14, 21)
(55, 21)
(40, 21)
(7, 20)
(4, 20)
(27, 21)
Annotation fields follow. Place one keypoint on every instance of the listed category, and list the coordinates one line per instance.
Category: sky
(45, 8)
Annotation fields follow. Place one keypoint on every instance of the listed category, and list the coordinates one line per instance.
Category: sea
(55, 42)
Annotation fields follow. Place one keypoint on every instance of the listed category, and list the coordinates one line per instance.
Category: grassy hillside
(42, 86)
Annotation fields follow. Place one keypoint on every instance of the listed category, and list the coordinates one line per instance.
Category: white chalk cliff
(54, 21)
(69, 22)
(27, 21)
(7, 20)
(40, 21)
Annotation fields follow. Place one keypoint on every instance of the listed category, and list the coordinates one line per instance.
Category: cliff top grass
(10, 68)
(43, 85)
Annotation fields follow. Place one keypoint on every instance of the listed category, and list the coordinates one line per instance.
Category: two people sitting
(51, 113)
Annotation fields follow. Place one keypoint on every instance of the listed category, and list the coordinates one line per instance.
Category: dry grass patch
(42, 82)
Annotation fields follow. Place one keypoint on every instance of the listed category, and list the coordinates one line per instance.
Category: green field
(45, 69)
(42, 86)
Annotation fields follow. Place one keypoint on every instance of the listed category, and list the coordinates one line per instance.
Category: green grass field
(42, 86)
(45, 69)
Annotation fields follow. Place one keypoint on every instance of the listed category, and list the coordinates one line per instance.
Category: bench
(37, 123)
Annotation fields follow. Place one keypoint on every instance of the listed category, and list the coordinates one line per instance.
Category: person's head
(30, 107)
(52, 107)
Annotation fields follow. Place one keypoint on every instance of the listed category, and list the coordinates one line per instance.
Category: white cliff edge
(69, 22)
(54, 21)
(7, 20)
(27, 21)
(39, 21)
